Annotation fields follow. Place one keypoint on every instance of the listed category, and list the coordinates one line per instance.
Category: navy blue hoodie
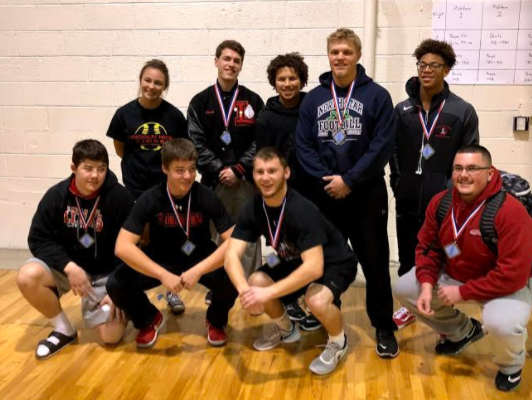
(369, 128)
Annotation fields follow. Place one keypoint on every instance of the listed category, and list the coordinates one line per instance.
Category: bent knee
(318, 298)
(503, 328)
(31, 275)
(407, 287)
(260, 279)
(111, 333)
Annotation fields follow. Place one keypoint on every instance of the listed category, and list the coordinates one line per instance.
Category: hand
(336, 188)
(424, 299)
(450, 295)
(255, 296)
(115, 314)
(190, 278)
(227, 177)
(78, 279)
(172, 282)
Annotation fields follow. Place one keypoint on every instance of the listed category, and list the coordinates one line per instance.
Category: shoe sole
(328, 372)
(387, 355)
(314, 328)
(296, 319)
(177, 311)
(152, 343)
(473, 340)
(402, 326)
(214, 343)
(53, 354)
(290, 339)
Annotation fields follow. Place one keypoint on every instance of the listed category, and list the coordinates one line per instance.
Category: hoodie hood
(274, 104)
(326, 78)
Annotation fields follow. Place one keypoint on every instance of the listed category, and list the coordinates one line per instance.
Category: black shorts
(336, 277)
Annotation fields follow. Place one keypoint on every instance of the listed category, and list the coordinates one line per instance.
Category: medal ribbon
(426, 132)
(175, 210)
(458, 232)
(274, 239)
(85, 223)
(226, 115)
(341, 118)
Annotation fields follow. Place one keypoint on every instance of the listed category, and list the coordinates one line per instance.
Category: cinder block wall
(66, 65)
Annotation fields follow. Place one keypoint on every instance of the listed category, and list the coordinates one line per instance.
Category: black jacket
(457, 126)
(55, 228)
(206, 126)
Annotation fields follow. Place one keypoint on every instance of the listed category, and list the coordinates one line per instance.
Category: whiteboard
(492, 40)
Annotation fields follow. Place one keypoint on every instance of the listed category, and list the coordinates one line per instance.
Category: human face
(181, 175)
(343, 58)
(152, 85)
(431, 79)
(89, 176)
(288, 85)
(470, 184)
(270, 177)
(229, 65)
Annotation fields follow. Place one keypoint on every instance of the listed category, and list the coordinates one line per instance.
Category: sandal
(55, 342)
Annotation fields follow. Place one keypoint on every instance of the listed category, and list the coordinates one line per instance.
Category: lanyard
(226, 115)
(458, 232)
(175, 210)
(274, 239)
(85, 223)
(341, 118)
(427, 133)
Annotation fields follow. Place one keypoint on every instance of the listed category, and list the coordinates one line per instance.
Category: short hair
(232, 45)
(270, 153)
(178, 150)
(290, 60)
(89, 149)
(476, 149)
(438, 47)
(159, 65)
(344, 34)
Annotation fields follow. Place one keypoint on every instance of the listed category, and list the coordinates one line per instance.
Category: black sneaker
(208, 297)
(448, 348)
(310, 323)
(387, 346)
(507, 383)
(295, 312)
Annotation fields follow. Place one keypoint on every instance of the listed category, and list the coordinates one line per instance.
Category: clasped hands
(176, 283)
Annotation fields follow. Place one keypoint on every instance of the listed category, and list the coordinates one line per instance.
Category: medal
(339, 137)
(188, 247)
(87, 240)
(427, 152)
(452, 250)
(272, 259)
(226, 136)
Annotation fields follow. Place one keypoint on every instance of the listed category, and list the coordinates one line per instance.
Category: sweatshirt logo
(150, 136)
(244, 114)
(329, 128)
(72, 220)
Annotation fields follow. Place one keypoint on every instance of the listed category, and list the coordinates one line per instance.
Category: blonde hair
(344, 34)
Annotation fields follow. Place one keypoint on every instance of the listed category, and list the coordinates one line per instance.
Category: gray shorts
(93, 314)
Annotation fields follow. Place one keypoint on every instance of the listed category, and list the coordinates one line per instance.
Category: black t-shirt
(303, 228)
(166, 236)
(144, 132)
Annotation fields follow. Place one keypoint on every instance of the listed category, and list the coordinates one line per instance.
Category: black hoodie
(55, 228)
(457, 126)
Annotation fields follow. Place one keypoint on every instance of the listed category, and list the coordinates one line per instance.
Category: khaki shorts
(93, 314)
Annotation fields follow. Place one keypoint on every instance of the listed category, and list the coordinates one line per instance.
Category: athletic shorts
(336, 277)
(93, 314)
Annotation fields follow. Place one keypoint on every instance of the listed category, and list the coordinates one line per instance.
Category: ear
(165, 170)
(287, 173)
(216, 62)
(73, 168)
(446, 71)
(491, 172)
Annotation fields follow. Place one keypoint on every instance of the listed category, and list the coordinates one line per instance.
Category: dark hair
(476, 149)
(442, 49)
(178, 150)
(159, 65)
(269, 153)
(232, 45)
(290, 60)
(89, 149)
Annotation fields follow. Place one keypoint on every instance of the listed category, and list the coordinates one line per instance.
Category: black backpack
(512, 184)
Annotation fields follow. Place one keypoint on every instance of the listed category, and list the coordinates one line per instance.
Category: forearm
(213, 262)
(301, 277)
(233, 267)
(139, 261)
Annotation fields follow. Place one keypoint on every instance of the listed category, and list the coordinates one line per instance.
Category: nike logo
(383, 346)
(471, 333)
(513, 380)
(407, 108)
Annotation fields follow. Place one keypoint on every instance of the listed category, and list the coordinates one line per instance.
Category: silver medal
(86, 240)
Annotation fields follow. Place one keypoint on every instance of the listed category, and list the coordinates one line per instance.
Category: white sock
(283, 322)
(338, 339)
(61, 324)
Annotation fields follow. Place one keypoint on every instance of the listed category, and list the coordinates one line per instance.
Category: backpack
(514, 185)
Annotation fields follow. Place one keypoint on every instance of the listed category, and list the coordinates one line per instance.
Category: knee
(112, 285)
(318, 300)
(30, 276)
(503, 328)
(406, 288)
(110, 333)
(260, 279)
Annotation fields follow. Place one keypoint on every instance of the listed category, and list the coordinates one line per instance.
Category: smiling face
(470, 184)
(180, 176)
(152, 85)
(270, 177)
(343, 58)
(229, 65)
(288, 85)
(431, 79)
(89, 176)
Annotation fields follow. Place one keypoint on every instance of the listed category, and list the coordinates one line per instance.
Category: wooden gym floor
(183, 366)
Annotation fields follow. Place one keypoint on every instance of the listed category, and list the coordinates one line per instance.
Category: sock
(283, 322)
(338, 339)
(61, 324)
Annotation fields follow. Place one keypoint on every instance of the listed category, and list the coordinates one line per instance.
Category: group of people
(306, 171)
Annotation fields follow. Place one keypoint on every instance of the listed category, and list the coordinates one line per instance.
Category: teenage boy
(180, 253)
(311, 258)
(72, 239)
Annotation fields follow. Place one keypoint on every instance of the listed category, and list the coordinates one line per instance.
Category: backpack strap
(487, 221)
(441, 212)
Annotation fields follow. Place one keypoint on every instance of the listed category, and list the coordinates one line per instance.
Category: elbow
(317, 272)
(119, 250)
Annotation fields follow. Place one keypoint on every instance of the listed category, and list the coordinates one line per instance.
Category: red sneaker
(147, 337)
(403, 317)
(215, 336)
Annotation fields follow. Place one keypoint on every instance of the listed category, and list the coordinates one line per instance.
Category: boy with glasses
(432, 124)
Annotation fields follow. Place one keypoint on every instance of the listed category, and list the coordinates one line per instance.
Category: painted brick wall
(66, 65)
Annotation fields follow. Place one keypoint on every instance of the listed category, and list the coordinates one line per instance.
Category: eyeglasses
(470, 169)
(421, 66)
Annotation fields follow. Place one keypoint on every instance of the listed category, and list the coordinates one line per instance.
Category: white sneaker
(275, 337)
(328, 360)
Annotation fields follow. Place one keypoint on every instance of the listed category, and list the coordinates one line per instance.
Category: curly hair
(290, 60)
(440, 48)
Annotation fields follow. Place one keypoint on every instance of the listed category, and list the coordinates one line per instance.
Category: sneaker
(275, 337)
(403, 317)
(387, 346)
(208, 298)
(448, 348)
(295, 312)
(147, 337)
(175, 303)
(310, 323)
(328, 360)
(215, 336)
(507, 383)
(52, 345)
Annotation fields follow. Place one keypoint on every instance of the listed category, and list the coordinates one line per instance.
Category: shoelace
(330, 350)
(403, 311)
